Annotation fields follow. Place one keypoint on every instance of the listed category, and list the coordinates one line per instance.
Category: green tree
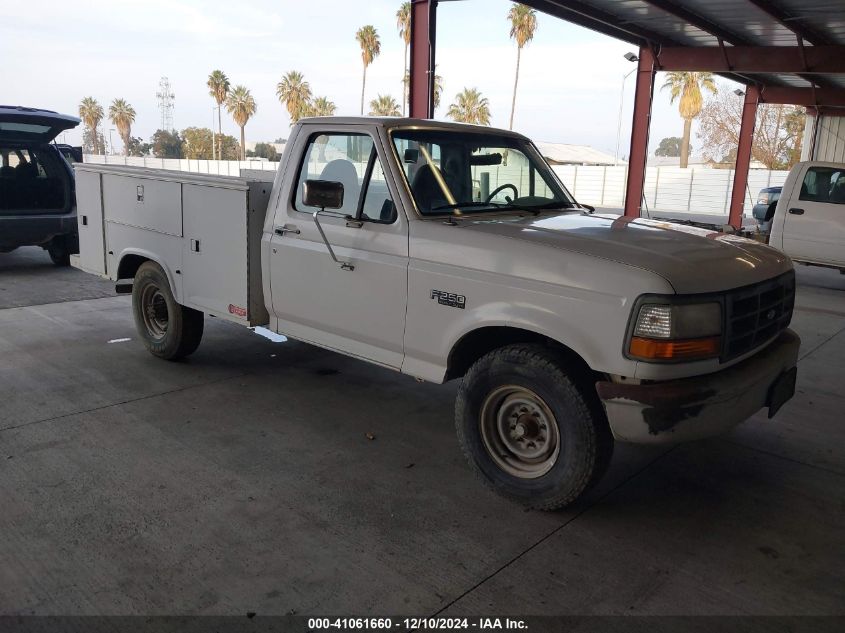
(265, 150)
(686, 88)
(241, 106)
(91, 139)
(295, 94)
(91, 113)
(470, 107)
(670, 146)
(166, 144)
(123, 116)
(403, 24)
(523, 26)
(137, 147)
(218, 89)
(198, 143)
(384, 105)
(368, 40)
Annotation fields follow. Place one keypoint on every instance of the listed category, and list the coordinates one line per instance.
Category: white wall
(691, 190)
(830, 139)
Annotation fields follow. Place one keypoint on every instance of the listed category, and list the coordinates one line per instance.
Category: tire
(529, 392)
(168, 330)
(58, 251)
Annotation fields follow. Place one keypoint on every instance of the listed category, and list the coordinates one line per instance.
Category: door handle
(282, 230)
(794, 211)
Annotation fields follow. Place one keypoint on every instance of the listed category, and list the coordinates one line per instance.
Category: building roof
(711, 23)
(566, 154)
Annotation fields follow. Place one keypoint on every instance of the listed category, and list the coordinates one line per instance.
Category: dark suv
(37, 194)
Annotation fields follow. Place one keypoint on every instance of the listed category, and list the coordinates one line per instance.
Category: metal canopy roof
(721, 24)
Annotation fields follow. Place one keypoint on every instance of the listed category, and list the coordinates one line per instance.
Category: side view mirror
(589, 208)
(324, 194)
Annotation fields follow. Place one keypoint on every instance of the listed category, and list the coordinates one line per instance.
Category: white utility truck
(809, 220)
(448, 251)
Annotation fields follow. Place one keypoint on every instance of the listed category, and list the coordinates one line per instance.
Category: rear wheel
(532, 430)
(168, 330)
(58, 251)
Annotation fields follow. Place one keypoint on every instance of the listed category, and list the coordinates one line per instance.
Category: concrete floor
(242, 480)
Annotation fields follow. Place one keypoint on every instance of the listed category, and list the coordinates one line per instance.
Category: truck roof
(394, 122)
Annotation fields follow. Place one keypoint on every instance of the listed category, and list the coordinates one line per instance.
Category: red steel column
(423, 29)
(639, 133)
(743, 155)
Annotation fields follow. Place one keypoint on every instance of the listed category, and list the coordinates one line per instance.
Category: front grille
(756, 314)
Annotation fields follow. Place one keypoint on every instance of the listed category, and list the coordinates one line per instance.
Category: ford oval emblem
(770, 314)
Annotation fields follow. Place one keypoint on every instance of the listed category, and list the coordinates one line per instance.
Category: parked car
(764, 209)
(37, 191)
(809, 220)
(72, 153)
(567, 329)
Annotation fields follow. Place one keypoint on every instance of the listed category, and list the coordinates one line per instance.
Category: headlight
(667, 332)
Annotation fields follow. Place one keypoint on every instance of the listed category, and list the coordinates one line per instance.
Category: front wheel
(531, 430)
(168, 330)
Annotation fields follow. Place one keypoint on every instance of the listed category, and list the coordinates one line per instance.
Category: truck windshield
(454, 172)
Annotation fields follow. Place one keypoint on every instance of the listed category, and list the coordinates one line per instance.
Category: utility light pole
(213, 137)
(631, 58)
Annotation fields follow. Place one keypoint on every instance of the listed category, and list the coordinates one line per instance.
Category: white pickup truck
(809, 220)
(446, 252)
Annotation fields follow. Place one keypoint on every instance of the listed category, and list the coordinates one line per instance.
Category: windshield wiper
(472, 203)
(536, 208)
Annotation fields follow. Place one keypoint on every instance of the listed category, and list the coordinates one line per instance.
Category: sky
(569, 84)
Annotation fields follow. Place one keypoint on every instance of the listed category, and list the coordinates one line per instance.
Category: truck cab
(809, 220)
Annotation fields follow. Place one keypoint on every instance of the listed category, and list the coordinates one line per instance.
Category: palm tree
(218, 88)
(470, 107)
(367, 37)
(403, 23)
(91, 114)
(687, 86)
(384, 105)
(321, 106)
(523, 25)
(123, 116)
(241, 106)
(295, 94)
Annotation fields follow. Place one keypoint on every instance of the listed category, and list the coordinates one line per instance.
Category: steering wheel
(502, 187)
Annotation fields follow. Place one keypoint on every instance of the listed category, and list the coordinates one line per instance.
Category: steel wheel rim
(519, 432)
(154, 311)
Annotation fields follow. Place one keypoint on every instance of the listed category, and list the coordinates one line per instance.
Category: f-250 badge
(449, 299)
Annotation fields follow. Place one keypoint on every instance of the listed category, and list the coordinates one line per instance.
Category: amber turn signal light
(688, 349)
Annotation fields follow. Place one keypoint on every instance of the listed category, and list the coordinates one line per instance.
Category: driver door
(358, 309)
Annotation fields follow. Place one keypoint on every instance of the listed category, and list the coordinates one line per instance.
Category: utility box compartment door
(143, 202)
(215, 250)
(89, 217)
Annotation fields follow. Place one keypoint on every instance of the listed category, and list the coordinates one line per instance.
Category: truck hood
(21, 124)
(692, 260)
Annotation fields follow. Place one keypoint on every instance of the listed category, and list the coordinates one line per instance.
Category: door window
(378, 203)
(350, 159)
(824, 184)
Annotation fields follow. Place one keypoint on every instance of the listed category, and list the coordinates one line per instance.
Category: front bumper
(698, 407)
